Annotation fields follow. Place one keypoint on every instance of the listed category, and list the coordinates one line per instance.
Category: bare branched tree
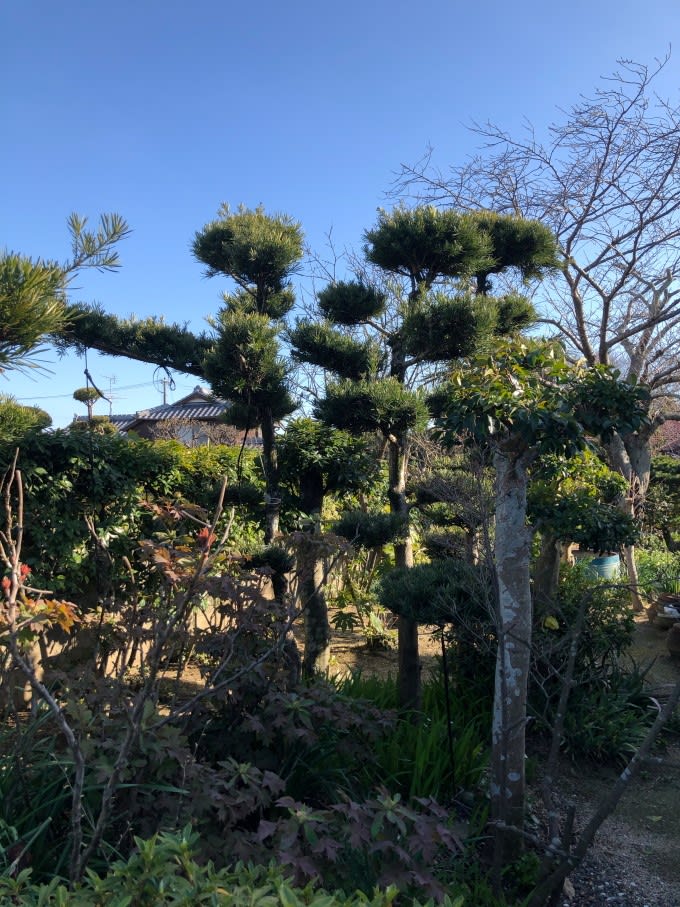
(606, 179)
(195, 432)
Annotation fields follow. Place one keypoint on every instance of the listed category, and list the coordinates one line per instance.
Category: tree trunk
(670, 542)
(271, 477)
(631, 455)
(408, 679)
(547, 571)
(512, 550)
(312, 569)
(317, 626)
(281, 589)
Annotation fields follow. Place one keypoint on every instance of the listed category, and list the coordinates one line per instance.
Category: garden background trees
(239, 357)
(520, 401)
(606, 180)
(429, 303)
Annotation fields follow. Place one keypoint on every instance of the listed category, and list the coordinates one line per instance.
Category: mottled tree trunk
(631, 456)
(547, 571)
(408, 679)
(312, 579)
(317, 626)
(271, 477)
(513, 542)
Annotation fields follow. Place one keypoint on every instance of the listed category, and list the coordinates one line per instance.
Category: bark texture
(513, 540)
(408, 680)
(271, 472)
(547, 571)
(315, 610)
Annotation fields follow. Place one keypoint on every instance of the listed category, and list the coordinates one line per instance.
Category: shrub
(658, 571)
(607, 712)
(69, 476)
(164, 870)
(380, 841)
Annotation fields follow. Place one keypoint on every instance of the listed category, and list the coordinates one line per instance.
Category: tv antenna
(163, 381)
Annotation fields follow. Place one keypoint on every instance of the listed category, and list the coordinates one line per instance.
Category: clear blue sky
(162, 110)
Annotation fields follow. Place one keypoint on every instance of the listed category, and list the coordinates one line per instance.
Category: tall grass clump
(419, 758)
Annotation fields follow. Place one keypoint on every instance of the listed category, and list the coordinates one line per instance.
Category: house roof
(199, 405)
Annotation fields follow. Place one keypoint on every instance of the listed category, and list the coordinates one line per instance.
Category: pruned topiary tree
(430, 303)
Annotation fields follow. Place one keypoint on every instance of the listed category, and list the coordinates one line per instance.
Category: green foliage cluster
(416, 758)
(528, 390)
(517, 242)
(578, 500)
(364, 406)
(32, 305)
(370, 530)
(71, 475)
(322, 345)
(443, 327)
(658, 572)
(33, 294)
(662, 506)
(426, 243)
(337, 460)
(86, 395)
(244, 364)
(434, 593)
(169, 345)
(100, 425)
(166, 869)
(256, 249)
(351, 303)
(608, 712)
(17, 421)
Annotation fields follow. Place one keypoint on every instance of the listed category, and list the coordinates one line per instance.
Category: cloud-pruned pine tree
(436, 266)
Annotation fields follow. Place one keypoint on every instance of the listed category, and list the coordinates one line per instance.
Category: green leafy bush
(370, 530)
(658, 572)
(434, 593)
(607, 712)
(164, 870)
(69, 476)
(608, 723)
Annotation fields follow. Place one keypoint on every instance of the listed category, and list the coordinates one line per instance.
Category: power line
(127, 387)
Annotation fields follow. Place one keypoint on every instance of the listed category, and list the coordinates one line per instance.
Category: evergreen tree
(317, 460)
(88, 396)
(521, 401)
(34, 294)
(437, 266)
(259, 254)
(240, 357)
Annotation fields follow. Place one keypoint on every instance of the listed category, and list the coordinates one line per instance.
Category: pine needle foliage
(33, 294)
(320, 344)
(257, 250)
(425, 244)
(351, 303)
(364, 406)
(32, 305)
